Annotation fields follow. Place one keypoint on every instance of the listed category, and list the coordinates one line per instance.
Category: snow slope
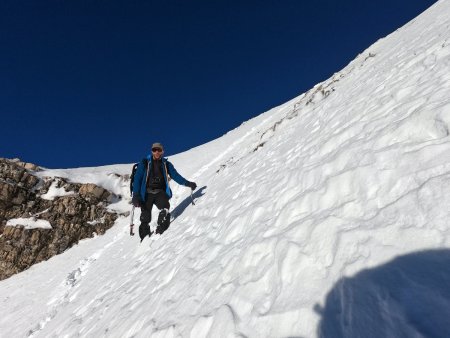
(326, 216)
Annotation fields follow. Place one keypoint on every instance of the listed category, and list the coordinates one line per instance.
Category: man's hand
(191, 185)
(136, 201)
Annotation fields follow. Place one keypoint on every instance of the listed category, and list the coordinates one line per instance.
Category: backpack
(133, 172)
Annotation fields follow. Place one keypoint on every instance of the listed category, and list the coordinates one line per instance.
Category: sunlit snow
(29, 223)
(54, 191)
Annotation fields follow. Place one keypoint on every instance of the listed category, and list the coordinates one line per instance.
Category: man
(151, 186)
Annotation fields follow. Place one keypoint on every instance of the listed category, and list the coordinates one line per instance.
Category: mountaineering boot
(163, 221)
(144, 230)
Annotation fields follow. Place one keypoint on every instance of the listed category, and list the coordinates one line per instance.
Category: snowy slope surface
(327, 216)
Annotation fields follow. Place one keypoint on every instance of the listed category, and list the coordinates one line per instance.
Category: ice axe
(131, 222)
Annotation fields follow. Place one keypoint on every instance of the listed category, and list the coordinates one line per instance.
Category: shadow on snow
(179, 209)
(406, 297)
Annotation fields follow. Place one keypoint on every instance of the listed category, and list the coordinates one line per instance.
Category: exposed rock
(93, 192)
(82, 214)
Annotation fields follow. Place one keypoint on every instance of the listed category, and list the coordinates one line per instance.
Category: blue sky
(96, 82)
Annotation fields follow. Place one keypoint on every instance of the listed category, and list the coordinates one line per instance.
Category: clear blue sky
(95, 82)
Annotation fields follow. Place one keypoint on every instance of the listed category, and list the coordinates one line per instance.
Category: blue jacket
(141, 177)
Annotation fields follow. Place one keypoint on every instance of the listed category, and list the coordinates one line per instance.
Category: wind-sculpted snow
(327, 216)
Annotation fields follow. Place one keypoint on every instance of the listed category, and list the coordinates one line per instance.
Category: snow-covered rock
(43, 216)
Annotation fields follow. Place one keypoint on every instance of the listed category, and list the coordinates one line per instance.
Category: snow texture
(327, 216)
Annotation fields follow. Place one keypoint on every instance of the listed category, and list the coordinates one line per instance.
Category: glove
(191, 185)
(136, 201)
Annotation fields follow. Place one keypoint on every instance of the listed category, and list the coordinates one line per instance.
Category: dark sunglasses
(159, 150)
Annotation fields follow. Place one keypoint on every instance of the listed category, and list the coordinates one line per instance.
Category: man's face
(157, 153)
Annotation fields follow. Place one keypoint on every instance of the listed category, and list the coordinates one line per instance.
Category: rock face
(79, 212)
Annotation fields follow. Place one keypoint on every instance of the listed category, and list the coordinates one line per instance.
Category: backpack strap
(167, 174)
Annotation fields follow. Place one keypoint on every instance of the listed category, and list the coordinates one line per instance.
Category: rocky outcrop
(78, 211)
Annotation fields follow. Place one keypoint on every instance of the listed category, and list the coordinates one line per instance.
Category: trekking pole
(131, 222)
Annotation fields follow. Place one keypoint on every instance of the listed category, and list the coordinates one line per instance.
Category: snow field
(291, 206)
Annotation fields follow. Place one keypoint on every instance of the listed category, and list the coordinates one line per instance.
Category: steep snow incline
(321, 217)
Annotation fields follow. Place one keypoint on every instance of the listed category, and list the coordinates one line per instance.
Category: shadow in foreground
(407, 297)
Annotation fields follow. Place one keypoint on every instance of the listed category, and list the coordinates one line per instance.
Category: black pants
(161, 201)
